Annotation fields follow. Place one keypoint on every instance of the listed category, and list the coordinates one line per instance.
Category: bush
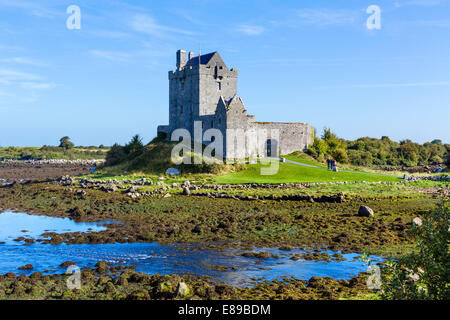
(115, 155)
(425, 274)
(130, 151)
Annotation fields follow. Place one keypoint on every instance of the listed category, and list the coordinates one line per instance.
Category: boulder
(67, 264)
(365, 211)
(417, 221)
(182, 290)
(26, 267)
(186, 191)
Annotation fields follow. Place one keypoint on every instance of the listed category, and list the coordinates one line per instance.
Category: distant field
(49, 152)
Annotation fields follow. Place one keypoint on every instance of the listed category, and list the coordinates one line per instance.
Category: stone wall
(292, 136)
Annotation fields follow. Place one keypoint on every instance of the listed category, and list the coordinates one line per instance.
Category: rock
(182, 290)
(67, 264)
(365, 211)
(186, 191)
(101, 267)
(26, 267)
(417, 221)
(109, 288)
(139, 295)
(164, 289)
(172, 172)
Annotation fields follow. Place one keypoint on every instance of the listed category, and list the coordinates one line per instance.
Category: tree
(436, 141)
(134, 148)
(65, 143)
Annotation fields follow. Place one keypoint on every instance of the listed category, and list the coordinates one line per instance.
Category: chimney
(181, 59)
(191, 55)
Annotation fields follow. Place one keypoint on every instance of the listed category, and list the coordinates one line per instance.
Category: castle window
(181, 110)
(212, 124)
(219, 86)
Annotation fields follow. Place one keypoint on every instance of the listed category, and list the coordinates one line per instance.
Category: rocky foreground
(106, 282)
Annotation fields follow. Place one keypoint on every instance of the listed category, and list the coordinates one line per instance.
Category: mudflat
(15, 171)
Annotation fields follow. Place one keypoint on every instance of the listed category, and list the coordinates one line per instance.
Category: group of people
(331, 163)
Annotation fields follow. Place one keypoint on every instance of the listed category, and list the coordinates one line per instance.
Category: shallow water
(151, 257)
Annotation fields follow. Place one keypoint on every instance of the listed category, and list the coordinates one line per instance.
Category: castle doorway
(271, 148)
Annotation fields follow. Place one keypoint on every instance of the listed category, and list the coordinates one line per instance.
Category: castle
(203, 89)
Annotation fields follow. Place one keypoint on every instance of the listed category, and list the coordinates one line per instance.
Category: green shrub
(425, 274)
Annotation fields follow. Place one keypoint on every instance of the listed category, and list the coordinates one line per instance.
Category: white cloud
(110, 34)
(250, 30)
(23, 60)
(147, 24)
(398, 85)
(326, 17)
(23, 80)
(434, 23)
(9, 76)
(38, 85)
(111, 55)
(188, 16)
(29, 7)
(420, 3)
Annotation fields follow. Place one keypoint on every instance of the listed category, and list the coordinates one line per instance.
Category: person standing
(328, 163)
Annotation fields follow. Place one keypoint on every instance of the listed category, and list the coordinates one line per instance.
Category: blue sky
(300, 61)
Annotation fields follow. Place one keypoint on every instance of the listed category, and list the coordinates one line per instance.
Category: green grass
(291, 173)
(304, 158)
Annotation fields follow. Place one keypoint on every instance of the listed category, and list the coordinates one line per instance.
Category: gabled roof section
(204, 59)
(235, 102)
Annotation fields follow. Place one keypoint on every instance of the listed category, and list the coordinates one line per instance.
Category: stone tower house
(204, 89)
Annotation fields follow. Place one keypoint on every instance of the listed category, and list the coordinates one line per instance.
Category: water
(13, 225)
(152, 258)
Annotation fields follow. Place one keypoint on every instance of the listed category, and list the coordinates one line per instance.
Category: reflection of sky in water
(150, 257)
(12, 224)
